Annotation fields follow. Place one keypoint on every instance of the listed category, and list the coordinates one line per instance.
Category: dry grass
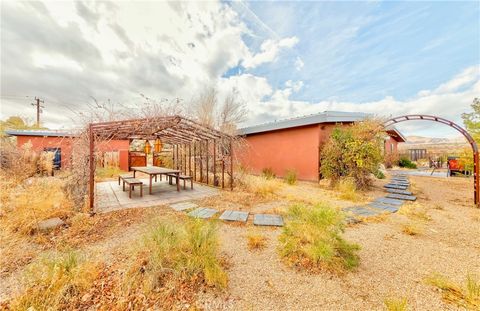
(256, 241)
(53, 281)
(34, 200)
(109, 172)
(348, 190)
(312, 239)
(415, 211)
(172, 263)
(261, 186)
(467, 297)
(291, 177)
(396, 304)
(412, 228)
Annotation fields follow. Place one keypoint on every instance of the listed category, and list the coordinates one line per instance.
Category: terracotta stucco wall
(391, 146)
(282, 150)
(39, 143)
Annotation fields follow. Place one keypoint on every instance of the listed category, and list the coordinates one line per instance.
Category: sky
(283, 59)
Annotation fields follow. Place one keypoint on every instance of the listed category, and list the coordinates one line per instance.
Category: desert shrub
(34, 200)
(260, 186)
(348, 189)
(379, 174)
(268, 173)
(312, 239)
(405, 162)
(174, 256)
(54, 280)
(412, 228)
(396, 304)
(353, 151)
(391, 159)
(467, 296)
(256, 240)
(291, 177)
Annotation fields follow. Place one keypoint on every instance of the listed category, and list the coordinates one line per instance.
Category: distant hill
(435, 144)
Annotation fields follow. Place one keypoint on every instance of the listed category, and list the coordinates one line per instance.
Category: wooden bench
(124, 176)
(182, 177)
(132, 182)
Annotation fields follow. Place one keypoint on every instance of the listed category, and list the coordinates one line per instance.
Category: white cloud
(444, 101)
(299, 63)
(269, 51)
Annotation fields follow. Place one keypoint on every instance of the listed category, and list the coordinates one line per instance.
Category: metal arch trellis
(473, 144)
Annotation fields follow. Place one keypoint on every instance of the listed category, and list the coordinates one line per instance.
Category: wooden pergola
(197, 150)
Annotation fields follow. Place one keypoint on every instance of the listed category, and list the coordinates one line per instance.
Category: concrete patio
(109, 196)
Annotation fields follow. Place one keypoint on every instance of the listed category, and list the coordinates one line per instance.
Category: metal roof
(323, 117)
(395, 132)
(43, 133)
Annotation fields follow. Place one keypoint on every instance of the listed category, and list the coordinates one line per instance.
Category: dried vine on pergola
(186, 136)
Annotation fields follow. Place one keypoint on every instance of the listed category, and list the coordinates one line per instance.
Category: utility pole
(39, 109)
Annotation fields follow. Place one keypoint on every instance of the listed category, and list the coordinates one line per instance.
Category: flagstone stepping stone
(389, 201)
(234, 216)
(202, 213)
(398, 187)
(50, 223)
(352, 220)
(405, 192)
(268, 220)
(402, 197)
(361, 211)
(385, 207)
(183, 206)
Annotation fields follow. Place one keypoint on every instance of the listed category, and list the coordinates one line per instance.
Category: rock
(50, 223)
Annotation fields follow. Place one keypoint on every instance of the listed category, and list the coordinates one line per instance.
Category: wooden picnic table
(154, 171)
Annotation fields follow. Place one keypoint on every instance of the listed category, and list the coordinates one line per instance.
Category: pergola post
(91, 159)
(231, 165)
(214, 162)
(194, 161)
(206, 154)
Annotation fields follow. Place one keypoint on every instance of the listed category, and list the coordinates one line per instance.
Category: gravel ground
(393, 264)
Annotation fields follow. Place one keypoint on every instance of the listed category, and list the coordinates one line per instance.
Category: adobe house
(295, 144)
(61, 142)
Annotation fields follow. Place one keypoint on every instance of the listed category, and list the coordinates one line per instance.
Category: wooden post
(231, 165)
(223, 164)
(207, 153)
(184, 159)
(476, 180)
(91, 191)
(173, 156)
(177, 158)
(194, 161)
(190, 159)
(201, 161)
(214, 162)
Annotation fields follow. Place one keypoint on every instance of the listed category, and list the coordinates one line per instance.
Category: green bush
(379, 174)
(291, 177)
(405, 162)
(312, 239)
(353, 151)
(268, 173)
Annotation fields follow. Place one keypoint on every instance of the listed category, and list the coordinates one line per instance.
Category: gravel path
(393, 264)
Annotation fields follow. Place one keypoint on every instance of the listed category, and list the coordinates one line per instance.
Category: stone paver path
(391, 203)
(405, 192)
(268, 220)
(202, 213)
(234, 216)
(183, 206)
(402, 197)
